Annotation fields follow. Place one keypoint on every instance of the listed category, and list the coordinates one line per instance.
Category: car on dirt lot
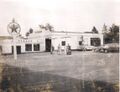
(111, 47)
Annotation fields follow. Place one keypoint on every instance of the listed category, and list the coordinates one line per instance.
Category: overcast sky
(64, 15)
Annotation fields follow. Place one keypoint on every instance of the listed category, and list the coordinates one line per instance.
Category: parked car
(111, 47)
(89, 48)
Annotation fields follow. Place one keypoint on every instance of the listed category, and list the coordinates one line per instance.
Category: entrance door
(48, 45)
(18, 48)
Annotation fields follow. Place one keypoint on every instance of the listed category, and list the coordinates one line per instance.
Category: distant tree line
(46, 27)
(111, 34)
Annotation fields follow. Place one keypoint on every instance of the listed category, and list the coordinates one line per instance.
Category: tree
(104, 30)
(94, 30)
(27, 34)
(42, 26)
(30, 30)
(49, 27)
(115, 33)
(112, 35)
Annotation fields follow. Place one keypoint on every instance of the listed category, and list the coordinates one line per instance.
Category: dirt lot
(79, 72)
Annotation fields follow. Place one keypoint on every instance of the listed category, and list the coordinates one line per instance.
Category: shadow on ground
(16, 79)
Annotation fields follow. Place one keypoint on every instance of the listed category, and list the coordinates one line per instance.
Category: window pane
(36, 47)
(28, 47)
(95, 41)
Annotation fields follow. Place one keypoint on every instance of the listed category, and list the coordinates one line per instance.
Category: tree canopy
(94, 30)
(112, 35)
(47, 27)
(30, 30)
(27, 34)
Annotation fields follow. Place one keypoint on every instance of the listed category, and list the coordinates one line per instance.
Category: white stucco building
(40, 41)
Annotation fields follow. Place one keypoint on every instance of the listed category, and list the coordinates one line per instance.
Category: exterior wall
(73, 39)
(56, 37)
(40, 41)
(6, 49)
(7, 45)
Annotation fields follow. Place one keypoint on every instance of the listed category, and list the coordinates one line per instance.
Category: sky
(63, 15)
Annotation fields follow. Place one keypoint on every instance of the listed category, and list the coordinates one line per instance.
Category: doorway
(48, 45)
(18, 48)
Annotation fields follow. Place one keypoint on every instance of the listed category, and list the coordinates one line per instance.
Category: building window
(36, 47)
(63, 43)
(28, 47)
(95, 41)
